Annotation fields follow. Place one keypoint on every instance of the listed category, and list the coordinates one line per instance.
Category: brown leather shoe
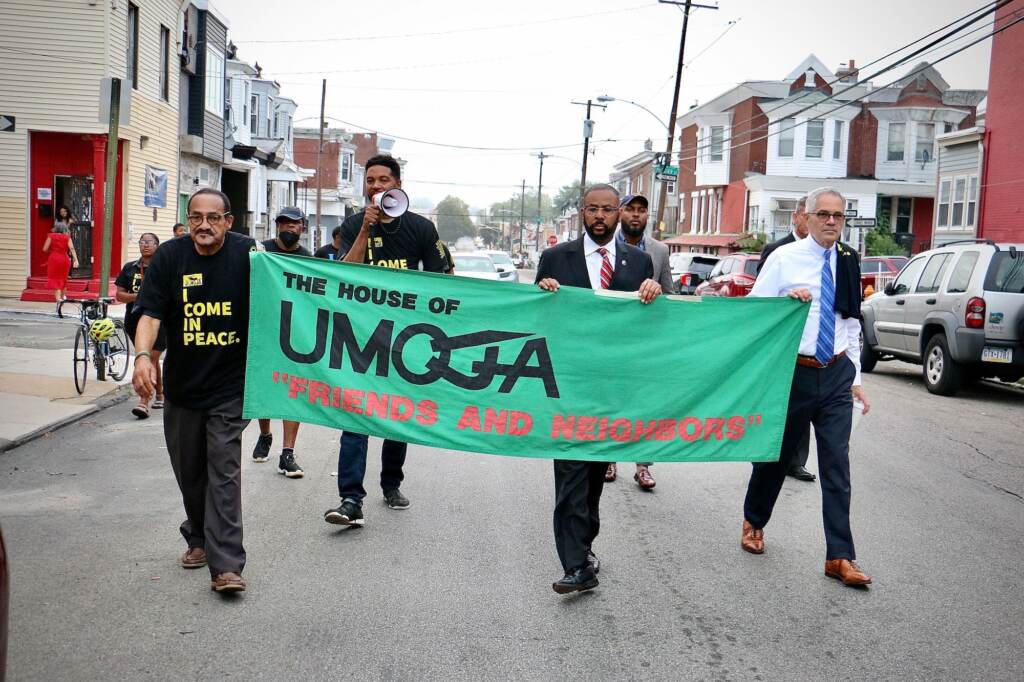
(227, 582)
(753, 538)
(643, 477)
(194, 557)
(847, 571)
(610, 473)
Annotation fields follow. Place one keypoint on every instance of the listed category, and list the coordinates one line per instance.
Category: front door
(75, 192)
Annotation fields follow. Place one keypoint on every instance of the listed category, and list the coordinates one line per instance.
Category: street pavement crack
(997, 487)
(986, 456)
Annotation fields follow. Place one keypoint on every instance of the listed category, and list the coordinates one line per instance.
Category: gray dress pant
(206, 454)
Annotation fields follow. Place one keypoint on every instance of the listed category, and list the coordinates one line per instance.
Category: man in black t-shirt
(331, 251)
(198, 290)
(128, 284)
(291, 222)
(408, 242)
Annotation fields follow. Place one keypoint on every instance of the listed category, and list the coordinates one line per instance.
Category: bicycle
(109, 357)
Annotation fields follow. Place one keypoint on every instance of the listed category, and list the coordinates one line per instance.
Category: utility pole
(108, 188)
(588, 132)
(319, 170)
(522, 217)
(687, 6)
(540, 189)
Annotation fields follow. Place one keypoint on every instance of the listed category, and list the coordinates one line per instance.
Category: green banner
(509, 369)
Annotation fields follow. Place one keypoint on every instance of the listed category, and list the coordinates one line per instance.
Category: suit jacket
(768, 248)
(659, 258)
(567, 264)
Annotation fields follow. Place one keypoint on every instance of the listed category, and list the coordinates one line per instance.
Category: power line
(495, 27)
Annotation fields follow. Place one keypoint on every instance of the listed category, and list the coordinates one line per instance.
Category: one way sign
(6, 124)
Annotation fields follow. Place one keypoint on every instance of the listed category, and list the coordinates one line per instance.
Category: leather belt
(811, 361)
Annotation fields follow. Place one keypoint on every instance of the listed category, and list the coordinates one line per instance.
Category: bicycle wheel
(81, 359)
(99, 358)
(118, 351)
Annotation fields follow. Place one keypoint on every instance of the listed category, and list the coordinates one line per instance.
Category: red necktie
(606, 269)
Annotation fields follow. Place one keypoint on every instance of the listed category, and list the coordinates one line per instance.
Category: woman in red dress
(60, 258)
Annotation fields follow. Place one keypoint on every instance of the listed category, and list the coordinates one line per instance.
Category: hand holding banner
(512, 370)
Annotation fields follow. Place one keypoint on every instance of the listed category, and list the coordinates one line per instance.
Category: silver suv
(957, 310)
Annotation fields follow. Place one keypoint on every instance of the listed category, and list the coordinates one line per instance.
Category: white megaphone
(393, 202)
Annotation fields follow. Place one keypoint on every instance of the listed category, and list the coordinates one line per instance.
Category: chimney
(847, 73)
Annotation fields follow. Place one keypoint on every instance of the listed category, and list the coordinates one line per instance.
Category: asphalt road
(458, 586)
(31, 330)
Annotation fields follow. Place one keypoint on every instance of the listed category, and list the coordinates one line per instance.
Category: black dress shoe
(800, 473)
(593, 562)
(580, 580)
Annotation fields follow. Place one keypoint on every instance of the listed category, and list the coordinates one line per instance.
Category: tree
(568, 198)
(502, 208)
(453, 219)
(879, 242)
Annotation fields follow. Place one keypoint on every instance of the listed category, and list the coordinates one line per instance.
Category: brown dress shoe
(643, 477)
(753, 538)
(848, 571)
(610, 473)
(227, 582)
(194, 557)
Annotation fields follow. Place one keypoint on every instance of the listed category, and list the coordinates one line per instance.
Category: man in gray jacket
(633, 213)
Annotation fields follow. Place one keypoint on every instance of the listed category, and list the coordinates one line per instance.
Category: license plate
(997, 354)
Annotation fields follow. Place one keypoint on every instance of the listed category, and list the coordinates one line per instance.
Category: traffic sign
(664, 177)
(851, 213)
(862, 222)
(667, 170)
(6, 124)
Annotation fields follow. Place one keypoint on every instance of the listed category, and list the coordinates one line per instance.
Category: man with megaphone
(388, 235)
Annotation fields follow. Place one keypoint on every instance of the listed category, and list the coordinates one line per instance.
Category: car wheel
(868, 357)
(942, 374)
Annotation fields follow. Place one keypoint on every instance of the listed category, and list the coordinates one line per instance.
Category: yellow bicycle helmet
(101, 330)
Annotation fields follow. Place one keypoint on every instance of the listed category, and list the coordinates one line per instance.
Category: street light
(609, 98)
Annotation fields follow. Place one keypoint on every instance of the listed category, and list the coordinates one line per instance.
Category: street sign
(6, 124)
(667, 170)
(862, 222)
(851, 213)
(665, 177)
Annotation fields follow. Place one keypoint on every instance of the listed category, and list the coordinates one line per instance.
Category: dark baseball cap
(291, 213)
(630, 198)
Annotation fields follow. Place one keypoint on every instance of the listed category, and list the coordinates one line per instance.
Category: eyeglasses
(196, 219)
(823, 216)
(594, 210)
(148, 242)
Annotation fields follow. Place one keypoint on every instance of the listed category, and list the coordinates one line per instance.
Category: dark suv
(958, 310)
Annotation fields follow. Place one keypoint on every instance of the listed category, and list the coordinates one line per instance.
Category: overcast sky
(502, 75)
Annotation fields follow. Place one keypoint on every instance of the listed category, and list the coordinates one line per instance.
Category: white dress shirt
(798, 266)
(595, 260)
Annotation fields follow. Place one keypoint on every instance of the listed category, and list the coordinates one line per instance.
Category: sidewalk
(37, 390)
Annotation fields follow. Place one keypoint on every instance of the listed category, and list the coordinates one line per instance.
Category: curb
(113, 397)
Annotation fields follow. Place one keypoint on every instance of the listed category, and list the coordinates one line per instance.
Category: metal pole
(319, 153)
(522, 217)
(108, 188)
(586, 150)
(540, 188)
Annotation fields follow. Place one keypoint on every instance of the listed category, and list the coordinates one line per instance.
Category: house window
(947, 127)
(782, 216)
(752, 223)
(133, 46)
(972, 200)
(254, 108)
(924, 149)
(815, 139)
(165, 63)
(277, 120)
(346, 167)
(717, 138)
(897, 135)
(837, 141)
(959, 194)
(215, 81)
(945, 188)
(270, 113)
(786, 133)
(904, 205)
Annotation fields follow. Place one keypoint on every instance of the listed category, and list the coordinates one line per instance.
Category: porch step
(36, 289)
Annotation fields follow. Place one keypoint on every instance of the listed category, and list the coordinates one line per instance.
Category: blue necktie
(825, 349)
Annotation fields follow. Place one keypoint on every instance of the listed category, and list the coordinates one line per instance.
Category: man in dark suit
(825, 273)
(799, 469)
(594, 261)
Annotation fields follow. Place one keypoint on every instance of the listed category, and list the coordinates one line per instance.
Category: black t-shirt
(203, 302)
(130, 279)
(271, 247)
(403, 244)
(328, 252)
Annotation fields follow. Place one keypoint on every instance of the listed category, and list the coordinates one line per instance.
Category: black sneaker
(348, 514)
(261, 452)
(395, 499)
(287, 466)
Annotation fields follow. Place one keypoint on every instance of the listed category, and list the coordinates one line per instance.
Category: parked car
(690, 269)
(506, 268)
(877, 271)
(957, 310)
(733, 276)
(477, 265)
